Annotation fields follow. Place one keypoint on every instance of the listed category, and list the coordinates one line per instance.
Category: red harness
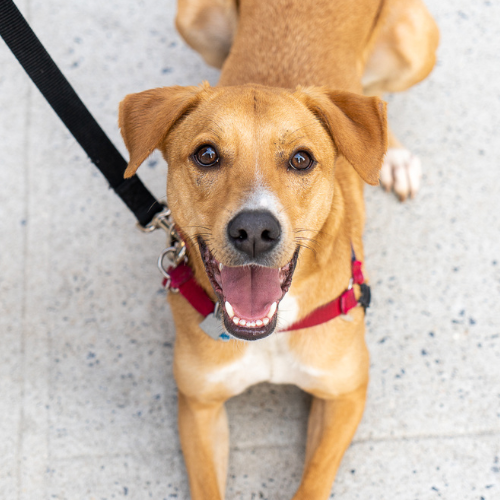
(182, 280)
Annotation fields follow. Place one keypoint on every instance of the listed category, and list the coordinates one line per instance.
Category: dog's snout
(254, 232)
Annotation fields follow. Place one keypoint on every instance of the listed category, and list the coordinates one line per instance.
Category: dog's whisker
(317, 231)
(314, 244)
(208, 228)
(305, 238)
(211, 120)
(285, 208)
(315, 121)
(302, 245)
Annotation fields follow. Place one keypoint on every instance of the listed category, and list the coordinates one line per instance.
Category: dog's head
(251, 178)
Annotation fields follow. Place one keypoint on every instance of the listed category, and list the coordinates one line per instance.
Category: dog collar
(181, 279)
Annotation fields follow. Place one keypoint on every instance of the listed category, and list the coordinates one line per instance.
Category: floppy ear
(357, 125)
(146, 118)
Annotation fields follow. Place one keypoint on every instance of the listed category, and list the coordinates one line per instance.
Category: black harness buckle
(366, 296)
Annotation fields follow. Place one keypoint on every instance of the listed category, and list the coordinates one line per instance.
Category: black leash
(40, 67)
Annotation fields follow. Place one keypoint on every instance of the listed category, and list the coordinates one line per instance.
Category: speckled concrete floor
(87, 400)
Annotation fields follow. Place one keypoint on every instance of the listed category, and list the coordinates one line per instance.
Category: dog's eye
(206, 156)
(301, 160)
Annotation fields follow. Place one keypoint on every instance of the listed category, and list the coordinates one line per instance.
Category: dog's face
(251, 179)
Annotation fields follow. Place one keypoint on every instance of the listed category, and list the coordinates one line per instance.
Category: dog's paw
(402, 172)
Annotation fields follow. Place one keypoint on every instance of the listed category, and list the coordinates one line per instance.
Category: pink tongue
(251, 290)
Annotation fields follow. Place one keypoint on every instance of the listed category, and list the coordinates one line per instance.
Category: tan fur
(209, 28)
(404, 51)
(292, 79)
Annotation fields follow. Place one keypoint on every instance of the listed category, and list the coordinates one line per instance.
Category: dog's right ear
(146, 118)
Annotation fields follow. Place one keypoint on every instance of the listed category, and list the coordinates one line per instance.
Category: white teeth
(251, 324)
(271, 312)
(221, 266)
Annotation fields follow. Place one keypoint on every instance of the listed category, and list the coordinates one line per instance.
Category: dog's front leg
(332, 424)
(204, 437)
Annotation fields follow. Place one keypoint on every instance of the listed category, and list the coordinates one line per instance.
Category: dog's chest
(267, 360)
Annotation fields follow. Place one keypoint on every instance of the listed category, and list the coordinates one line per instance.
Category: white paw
(402, 172)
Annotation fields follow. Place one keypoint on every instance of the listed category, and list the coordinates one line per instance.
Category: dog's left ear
(146, 118)
(357, 125)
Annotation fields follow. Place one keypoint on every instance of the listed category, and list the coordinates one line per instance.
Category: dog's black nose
(254, 232)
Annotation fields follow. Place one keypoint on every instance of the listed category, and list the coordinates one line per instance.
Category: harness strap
(40, 67)
(182, 279)
(337, 307)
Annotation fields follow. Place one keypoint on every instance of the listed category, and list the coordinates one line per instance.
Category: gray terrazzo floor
(87, 399)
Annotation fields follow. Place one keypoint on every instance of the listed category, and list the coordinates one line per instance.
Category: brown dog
(265, 184)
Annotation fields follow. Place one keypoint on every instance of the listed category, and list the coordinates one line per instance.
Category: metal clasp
(161, 220)
(176, 248)
(351, 283)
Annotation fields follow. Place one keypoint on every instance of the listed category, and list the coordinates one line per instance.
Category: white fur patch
(261, 198)
(266, 360)
(288, 310)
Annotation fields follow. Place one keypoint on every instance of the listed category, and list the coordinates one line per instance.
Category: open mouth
(249, 295)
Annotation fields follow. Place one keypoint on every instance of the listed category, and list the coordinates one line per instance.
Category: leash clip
(161, 220)
(176, 248)
(176, 254)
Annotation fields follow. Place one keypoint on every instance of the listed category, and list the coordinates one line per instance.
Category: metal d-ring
(162, 269)
(176, 252)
